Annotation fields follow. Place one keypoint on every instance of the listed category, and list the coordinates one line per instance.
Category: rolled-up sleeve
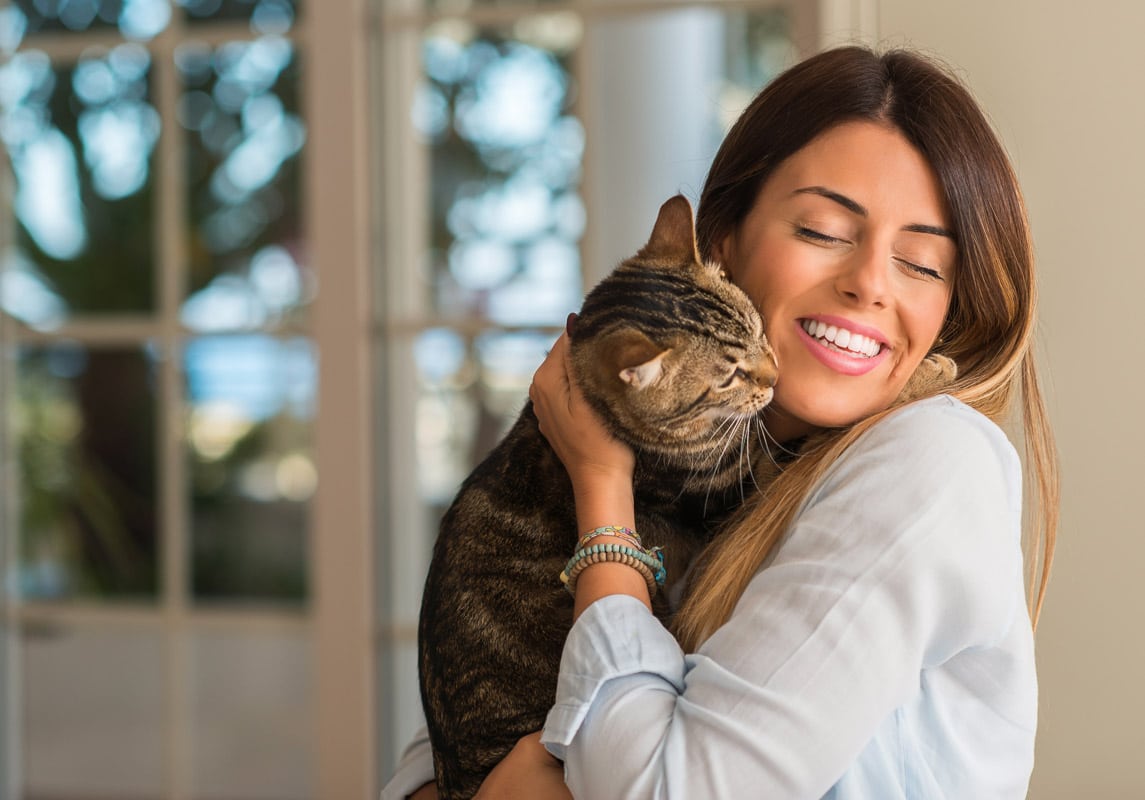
(905, 554)
(415, 769)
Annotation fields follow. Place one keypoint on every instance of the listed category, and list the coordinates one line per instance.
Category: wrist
(600, 477)
(604, 502)
(603, 580)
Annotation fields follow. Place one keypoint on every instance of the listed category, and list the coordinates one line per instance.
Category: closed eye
(739, 374)
(816, 236)
(920, 269)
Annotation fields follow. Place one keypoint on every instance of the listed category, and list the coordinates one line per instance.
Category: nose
(863, 277)
(765, 373)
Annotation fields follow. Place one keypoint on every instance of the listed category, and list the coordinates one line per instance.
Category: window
(161, 319)
(527, 147)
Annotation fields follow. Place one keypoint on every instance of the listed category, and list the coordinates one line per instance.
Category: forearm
(603, 501)
(600, 469)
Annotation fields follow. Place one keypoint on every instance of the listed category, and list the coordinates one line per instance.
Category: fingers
(572, 392)
(552, 376)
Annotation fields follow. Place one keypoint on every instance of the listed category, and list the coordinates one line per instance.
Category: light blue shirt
(884, 651)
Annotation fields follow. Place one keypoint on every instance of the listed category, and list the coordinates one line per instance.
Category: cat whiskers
(725, 434)
(745, 457)
(765, 438)
(713, 437)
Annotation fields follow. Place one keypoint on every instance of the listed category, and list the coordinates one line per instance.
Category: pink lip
(837, 360)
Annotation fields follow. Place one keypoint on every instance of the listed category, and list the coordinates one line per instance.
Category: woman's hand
(590, 454)
(529, 772)
(428, 791)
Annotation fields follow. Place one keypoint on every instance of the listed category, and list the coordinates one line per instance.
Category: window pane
(252, 735)
(505, 149)
(87, 472)
(265, 16)
(81, 139)
(470, 394)
(251, 411)
(93, 711)
(447, 417)
(758, 45)
(137, 19)
(244, 136)
(666, 88)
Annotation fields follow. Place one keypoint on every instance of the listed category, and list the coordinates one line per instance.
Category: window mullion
(10, 705)
(336, 211)
(170, 258)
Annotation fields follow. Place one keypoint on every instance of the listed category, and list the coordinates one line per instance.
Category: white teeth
(842, 339)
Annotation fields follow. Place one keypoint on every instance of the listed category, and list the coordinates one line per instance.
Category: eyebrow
(856, 208)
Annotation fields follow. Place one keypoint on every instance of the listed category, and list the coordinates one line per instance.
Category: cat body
(673, 358)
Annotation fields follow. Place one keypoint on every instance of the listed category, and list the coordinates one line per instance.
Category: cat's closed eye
(737, 374)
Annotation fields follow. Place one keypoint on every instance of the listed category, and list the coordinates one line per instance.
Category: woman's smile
(844, 346)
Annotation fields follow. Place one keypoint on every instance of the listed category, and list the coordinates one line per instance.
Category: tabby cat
(673, 358)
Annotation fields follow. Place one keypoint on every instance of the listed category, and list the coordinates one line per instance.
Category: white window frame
(332, 39)
(402, 186)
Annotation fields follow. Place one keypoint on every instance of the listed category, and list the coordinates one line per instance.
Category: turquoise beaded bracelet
(652, 558)
(616, 557)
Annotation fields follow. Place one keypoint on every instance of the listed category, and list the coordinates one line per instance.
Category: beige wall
(1063, 83)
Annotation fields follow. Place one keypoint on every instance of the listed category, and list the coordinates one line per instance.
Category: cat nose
(765, 373)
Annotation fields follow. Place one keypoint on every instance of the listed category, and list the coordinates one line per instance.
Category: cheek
(757, 269)
(927, 318)
(768, 286)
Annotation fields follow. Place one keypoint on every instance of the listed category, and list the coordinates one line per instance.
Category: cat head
(669, 351)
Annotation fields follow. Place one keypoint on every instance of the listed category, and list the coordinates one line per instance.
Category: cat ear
(644, 374)
(632, 357)
(674, 235)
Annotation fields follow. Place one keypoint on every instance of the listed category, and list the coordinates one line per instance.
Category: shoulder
(936, 475)
(926, 504)
(939, 442)
(940, 420)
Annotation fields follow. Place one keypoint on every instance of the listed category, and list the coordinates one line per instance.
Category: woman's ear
(722, 253)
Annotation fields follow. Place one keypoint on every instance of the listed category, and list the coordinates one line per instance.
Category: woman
(861, 630)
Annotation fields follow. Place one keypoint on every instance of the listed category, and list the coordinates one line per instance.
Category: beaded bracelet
(628, 559)
(649, 562)
(619, 532)
(653, 558)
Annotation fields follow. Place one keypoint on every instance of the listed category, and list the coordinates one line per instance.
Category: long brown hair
(989, 326)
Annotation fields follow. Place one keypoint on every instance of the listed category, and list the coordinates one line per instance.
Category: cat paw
(932, 375)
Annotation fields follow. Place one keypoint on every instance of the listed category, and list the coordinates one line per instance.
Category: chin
(832, 411)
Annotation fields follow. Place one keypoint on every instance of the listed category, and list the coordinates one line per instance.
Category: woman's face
(847, 253)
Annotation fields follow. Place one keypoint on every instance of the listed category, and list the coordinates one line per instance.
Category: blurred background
(274, 274)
